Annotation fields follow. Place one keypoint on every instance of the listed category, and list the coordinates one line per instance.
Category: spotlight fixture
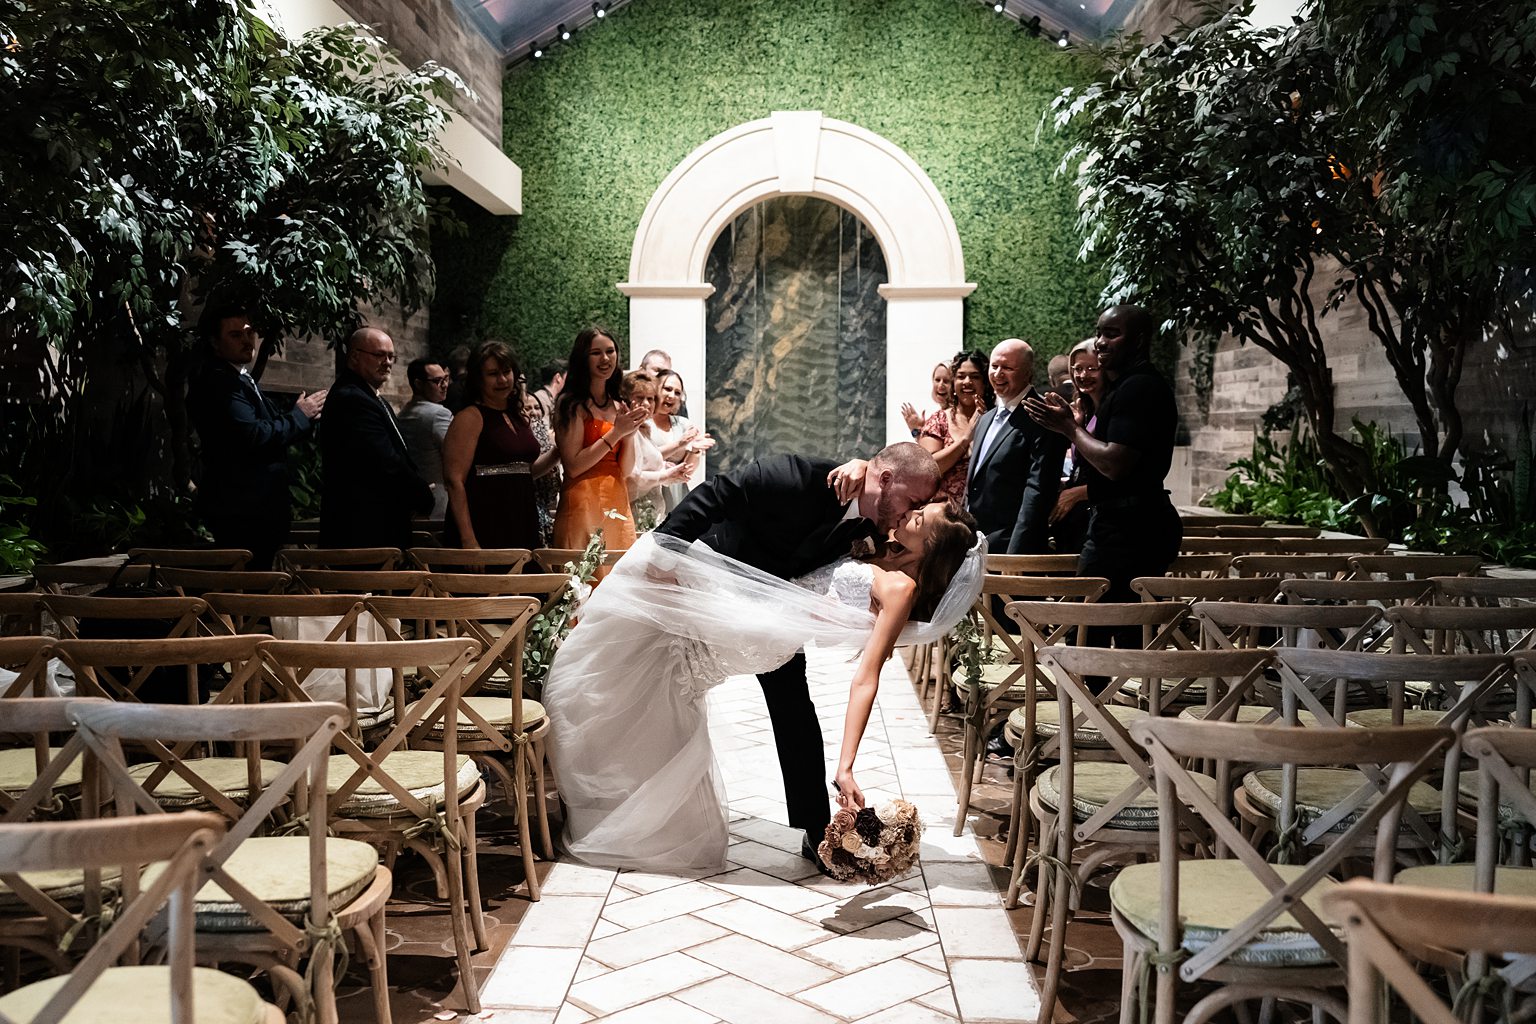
(565, 33)
(1063, 39)
(535, 51)
(599, 10)
(1032, 26)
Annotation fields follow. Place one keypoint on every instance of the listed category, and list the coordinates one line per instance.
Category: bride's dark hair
(948, 544)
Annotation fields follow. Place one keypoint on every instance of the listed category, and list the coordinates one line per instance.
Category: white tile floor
(770, 939)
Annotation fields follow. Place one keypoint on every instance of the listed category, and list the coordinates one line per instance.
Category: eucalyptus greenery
(159, 152)
(548, 629)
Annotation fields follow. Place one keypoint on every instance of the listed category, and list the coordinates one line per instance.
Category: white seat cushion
(18, 770)
(142, 995)
(419, 772)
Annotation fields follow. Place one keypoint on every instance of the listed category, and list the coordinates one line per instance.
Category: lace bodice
(846, 581)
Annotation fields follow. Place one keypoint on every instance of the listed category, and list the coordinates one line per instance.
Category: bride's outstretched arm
(892, 594)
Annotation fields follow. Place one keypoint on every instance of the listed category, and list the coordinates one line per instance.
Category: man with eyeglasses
(424, 422)
(371, 487)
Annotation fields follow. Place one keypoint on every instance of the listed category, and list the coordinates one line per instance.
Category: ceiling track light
(565, 33)
(1064, 40)
(1032, 26)
(599, 10)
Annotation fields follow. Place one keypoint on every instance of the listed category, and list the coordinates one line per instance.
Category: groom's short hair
(910, 461)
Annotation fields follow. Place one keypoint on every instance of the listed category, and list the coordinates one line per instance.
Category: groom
(781, 515)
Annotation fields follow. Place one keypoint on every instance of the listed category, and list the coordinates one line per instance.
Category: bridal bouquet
(873, 846)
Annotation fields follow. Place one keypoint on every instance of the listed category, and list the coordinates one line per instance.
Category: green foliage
(548, 629)
(19, 551)
(598, 124)
(1288, 483)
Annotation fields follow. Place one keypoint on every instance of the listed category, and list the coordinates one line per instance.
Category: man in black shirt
(1133, 529)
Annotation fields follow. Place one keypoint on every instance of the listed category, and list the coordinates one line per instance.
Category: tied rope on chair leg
(1164, 962)
(437, 823)
(326, 941)
(1475, 992)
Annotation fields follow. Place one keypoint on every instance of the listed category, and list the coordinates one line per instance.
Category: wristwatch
(916, 431)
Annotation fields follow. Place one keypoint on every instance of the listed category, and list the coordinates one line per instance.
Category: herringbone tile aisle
(770, 939)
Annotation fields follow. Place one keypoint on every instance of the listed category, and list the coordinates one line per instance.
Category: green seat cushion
(1379, 718)
(1096, 783)
(1139, 689)
(142, 995)
(276, 870)
(228, 775)
(1319, 789)
(419, 772)
(495, 710)
(65, 885)
(1048, 722)
(993, 676)
(1468, 784)
(1507, 881)
(18, 769)
(1215, 896)
(1248, 714)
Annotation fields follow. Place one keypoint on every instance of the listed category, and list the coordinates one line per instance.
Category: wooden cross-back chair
(1483, 591)
(1191, 589)
(556, 559)
(498, 728)
(1402, 567)
(1251, 927)
(361, 559)
(1231, 624)
(21, 614)
(181, 615)
(1032, 720)
(1378, 592)
(545, 585)
(198, 582)
(1332, 545)
(397, 582)
(1441, 629)
(47, 916)
(1278, 530)
(271, 900)
(1470, 681)
(472, 560)
(1386, 924)
(96, 990)
(1289, 566)
(395, 794)
(1032, 565)
(1229, 546)
(1212, 520)
(1002, 669)
(57, 579)
(226, 559)
(1104, 782)
(1213, 566)
(118, 668)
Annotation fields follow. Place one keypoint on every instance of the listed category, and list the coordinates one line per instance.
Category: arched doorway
(801, 153)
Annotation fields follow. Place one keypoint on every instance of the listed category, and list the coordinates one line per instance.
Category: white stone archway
(802, 153)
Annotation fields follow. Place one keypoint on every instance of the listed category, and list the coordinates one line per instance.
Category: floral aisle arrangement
(874, 845)
(549, 628)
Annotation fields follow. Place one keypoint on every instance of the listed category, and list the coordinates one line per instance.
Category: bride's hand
(849, 796)
(847, 480)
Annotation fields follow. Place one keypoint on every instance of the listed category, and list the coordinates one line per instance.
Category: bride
(629, 731)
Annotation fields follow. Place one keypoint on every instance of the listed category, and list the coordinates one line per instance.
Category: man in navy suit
(242, 477)
(1015, 469)
(370, 487)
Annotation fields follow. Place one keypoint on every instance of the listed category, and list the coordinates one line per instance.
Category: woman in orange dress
(594, 431)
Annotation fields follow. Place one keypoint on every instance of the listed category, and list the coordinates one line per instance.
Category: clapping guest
(1069, 519)
(947, 433)
(942, 380)
(491, 457)
(652, 472)
(679, 440)
(593, 428)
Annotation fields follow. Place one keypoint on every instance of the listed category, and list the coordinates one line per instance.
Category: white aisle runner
(770, 939)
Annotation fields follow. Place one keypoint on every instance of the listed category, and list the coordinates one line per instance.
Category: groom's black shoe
(809, 853)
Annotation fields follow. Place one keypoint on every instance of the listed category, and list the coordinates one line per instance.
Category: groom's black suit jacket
(776, 514)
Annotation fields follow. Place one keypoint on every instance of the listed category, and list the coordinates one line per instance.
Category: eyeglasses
(438, 381)
(386, 357)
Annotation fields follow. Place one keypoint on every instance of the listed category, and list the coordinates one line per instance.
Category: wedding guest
(551, 380)
(941, 381)
(1059, 372)
(546, 487)
(1015, 467)
(491, 458)
(593, 431)
(424, 423)
(655, 362)
(1069, 519)
(458, 371)
(947, 433)
(678, 438)
(652, 472)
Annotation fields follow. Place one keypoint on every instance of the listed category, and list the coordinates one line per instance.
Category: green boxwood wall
(600, 122)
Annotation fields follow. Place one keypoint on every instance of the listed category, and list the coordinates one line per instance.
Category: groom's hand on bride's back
(847, 480)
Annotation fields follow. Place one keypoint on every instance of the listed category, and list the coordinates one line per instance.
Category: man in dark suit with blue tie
(370, 488)
(242, 477)
(1015, 469)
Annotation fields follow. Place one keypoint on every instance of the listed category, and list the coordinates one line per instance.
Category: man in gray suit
(1015, 469)
(424, 422)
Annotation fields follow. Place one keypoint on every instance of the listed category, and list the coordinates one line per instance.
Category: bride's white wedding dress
(629, 730)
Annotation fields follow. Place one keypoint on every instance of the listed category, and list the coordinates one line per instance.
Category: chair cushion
(495, 710)
(420, 772)
(1381, 718)
(1468, 785)
(1247, 714)
(1319, 789)
(226, 774)
(18, 769)
(1507, 881)
(66, 885)
(1195, 691)
(993, 675)
(276, 870)
(142, 995)
(1048, 722)
(1215, 896)
(1095, 783)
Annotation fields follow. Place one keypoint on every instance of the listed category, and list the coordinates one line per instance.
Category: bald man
(370, 487)
(1015, 469)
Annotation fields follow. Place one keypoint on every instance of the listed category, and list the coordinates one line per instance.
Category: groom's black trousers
(797, 736)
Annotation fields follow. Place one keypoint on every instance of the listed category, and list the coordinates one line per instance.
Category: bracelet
(607, 443)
